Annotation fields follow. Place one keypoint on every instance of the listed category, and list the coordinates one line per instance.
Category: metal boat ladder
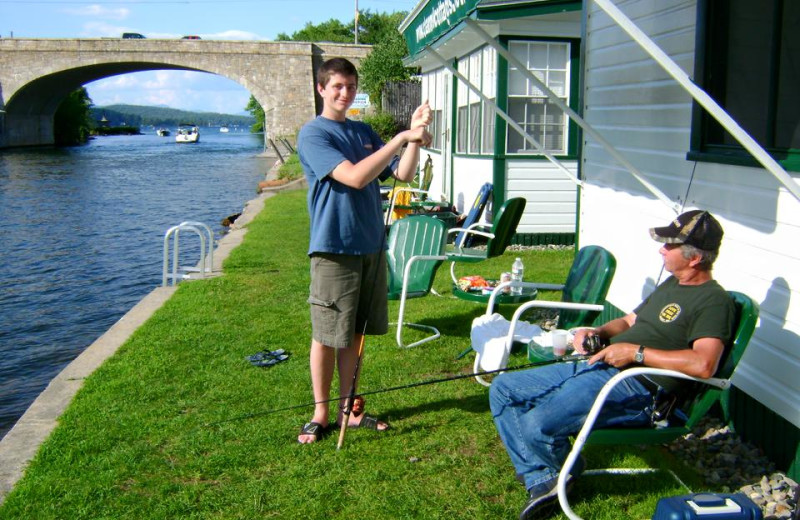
(206, 263)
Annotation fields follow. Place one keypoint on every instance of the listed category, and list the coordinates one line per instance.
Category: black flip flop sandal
(315, 429)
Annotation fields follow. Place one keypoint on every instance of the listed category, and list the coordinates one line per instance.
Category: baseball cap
(696, 228)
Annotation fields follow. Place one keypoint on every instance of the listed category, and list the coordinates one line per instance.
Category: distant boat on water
(224, 129)
(162, 132)
(187, 133)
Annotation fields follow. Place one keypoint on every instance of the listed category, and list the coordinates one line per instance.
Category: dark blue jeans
(536, 411)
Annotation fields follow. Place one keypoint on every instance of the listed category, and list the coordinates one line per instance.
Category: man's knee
(498, 392)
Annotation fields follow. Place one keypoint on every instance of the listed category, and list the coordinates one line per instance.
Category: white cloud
(187, 90)
(98, 11)
(99, 29)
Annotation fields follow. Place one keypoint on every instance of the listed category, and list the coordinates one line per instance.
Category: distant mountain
(135, 115)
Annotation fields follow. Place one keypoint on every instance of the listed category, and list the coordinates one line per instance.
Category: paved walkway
(21, 443)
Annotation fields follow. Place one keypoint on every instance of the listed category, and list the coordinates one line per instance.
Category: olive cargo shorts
(346, 292)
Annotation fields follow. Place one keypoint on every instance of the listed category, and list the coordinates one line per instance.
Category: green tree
(384, 63)
(257, 110)
(72, 122)
(374, 28)
(330, 31)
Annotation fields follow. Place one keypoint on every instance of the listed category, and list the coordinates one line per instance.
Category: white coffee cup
(559, 342)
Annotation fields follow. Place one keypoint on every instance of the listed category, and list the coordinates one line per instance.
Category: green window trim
(709, 143)
(573, 130)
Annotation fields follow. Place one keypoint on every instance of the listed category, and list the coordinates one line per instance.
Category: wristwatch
(639, 356)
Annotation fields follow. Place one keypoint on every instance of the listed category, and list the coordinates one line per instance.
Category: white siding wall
(648, 116)
(551, 195)
(469, 174)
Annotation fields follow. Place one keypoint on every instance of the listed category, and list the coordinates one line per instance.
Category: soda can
(506, 277)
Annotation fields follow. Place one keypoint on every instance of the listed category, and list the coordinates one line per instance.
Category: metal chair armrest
(594, 412)
(468, 231)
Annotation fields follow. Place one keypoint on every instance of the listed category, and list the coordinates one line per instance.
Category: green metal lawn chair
(423, 241)
(713, 390)
(416, 245)
(582, 297)
(499, 236)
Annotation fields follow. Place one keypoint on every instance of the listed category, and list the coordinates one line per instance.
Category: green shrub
(291, 169)
(383, 123)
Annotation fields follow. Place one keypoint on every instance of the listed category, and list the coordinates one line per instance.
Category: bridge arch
(36, 75)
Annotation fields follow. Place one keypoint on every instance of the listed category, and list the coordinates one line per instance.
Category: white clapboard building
(673, 105)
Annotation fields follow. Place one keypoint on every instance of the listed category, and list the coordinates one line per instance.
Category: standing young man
(343, 161)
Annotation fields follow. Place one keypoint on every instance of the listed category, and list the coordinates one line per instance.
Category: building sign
(434, 20)
(361, 101)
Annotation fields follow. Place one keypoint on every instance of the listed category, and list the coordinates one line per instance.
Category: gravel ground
(730, 465)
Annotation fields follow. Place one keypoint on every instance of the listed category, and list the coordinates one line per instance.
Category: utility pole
(356, 23)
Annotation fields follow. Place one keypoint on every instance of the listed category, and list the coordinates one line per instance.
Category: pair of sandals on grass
(317, 431)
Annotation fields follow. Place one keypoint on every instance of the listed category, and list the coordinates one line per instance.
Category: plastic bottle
(516, 276)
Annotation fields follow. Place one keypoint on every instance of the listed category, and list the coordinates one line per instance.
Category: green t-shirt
(675, 315)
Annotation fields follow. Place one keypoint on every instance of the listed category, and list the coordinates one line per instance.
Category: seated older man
(684, 325)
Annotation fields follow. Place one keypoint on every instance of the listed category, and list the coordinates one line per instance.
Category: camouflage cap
(695, 228)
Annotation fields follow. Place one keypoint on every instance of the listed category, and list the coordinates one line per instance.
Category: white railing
(206, 263)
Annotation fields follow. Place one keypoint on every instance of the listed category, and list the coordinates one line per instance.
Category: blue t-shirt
(344, 220)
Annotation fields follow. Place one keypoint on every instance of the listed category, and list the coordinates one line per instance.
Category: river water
(81, 238)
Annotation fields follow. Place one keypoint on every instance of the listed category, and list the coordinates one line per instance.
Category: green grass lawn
(175, 425)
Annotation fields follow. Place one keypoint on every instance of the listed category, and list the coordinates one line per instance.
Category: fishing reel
(593, 344)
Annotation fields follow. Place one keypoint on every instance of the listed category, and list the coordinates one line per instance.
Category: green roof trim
(433, 20)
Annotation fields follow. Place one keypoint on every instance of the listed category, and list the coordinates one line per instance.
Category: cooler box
(707, 506)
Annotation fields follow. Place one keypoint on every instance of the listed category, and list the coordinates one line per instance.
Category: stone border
(21, 443)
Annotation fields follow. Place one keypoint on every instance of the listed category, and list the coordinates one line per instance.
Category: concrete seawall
(22, 442)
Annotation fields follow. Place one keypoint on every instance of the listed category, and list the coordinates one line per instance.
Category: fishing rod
(562, 359)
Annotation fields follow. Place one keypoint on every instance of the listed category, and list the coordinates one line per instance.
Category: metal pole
(356, 23)
(513, 124)
(700, 95)
(502, 51)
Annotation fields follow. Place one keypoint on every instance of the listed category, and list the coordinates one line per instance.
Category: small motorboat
(224, 129)
(162, 132)
(187, 133)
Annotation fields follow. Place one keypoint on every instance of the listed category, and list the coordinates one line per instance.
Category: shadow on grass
(476, 404)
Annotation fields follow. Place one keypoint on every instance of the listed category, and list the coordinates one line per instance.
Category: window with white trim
(529, 106)
(475, 121)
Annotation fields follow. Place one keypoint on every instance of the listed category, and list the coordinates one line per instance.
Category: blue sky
(217, 19)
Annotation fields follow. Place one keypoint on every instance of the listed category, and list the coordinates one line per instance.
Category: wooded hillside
(135, 115)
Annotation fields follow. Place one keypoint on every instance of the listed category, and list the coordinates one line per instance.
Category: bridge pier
(25, 130)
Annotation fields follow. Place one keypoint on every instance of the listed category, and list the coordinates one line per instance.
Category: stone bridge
(36, 75)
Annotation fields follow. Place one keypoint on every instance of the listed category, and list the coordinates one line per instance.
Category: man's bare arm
(699, 361)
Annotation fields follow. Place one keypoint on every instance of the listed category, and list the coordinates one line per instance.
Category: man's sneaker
(541, 499)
